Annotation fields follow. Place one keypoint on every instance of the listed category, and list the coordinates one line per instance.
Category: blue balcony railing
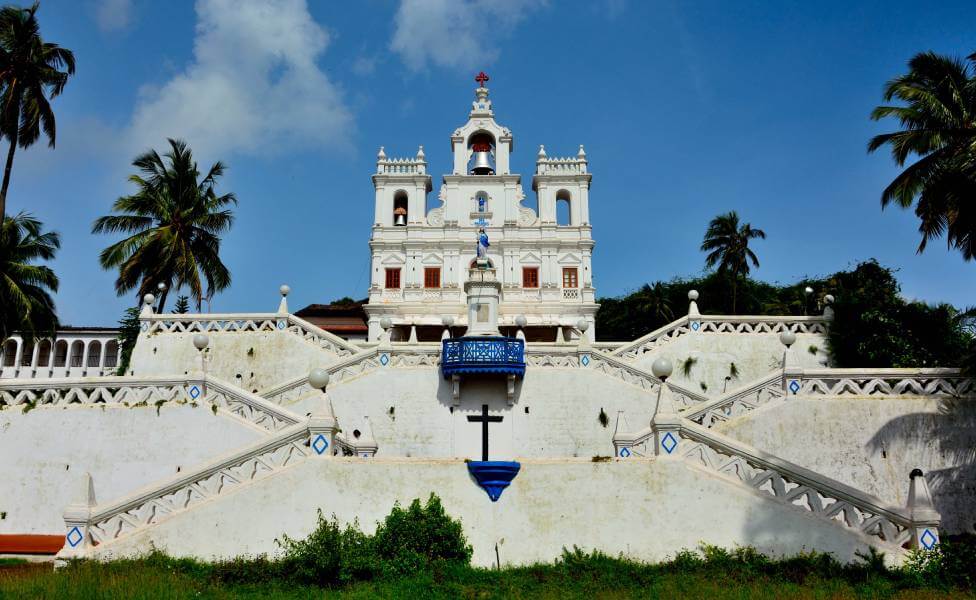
(465, 355)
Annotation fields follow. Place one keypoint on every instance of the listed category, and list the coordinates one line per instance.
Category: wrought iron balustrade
(465, 355)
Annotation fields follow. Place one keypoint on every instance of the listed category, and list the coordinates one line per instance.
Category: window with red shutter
(530, 277)
(393, 279)
(432, 277)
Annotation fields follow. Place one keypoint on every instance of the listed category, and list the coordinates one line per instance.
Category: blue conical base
(494, 475)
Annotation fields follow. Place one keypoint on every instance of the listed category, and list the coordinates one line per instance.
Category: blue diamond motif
(281, 324)
(74, 537)
(624, 452)
(384, 359)
(194, 392)
(669, 443)
(928, 539)
(695, 325)
(320, 444)
(794, 386)
(145, 327)
(585, 360)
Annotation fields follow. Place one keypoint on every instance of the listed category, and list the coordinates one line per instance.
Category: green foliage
(420, 537)
(874, 326)
(603, 418)
(687, 365)
(26, 304)
(733, 371)
(182, 305)
(727, 245)
(32, 71)
(709, 572)
(937, 113)
(128, 334)
(951, 563)
(330, 555)
(173, 222)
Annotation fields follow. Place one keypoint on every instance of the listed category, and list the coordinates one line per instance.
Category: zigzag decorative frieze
(149, 507)
(737, 402)
(130, 391)
(797, 487)
(237, 323)
(718, 324)
(883, 382)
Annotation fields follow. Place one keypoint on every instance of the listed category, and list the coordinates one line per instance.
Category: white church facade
(480, 382)
(420, 257)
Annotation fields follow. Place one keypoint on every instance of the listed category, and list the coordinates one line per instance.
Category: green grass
(717, 575)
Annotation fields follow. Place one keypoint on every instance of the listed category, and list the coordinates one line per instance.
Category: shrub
(415, 539)
(329, 555)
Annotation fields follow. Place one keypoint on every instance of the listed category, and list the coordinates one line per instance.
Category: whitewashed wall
(46, 450)
(874, 443)
(251, 360)
(645, 509)
(754, 355)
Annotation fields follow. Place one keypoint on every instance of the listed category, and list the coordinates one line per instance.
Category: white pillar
(84, 358)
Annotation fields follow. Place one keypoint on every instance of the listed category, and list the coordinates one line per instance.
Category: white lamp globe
(829, 299)
(200, 341)
(161, 287)
(318, 378)
(808, 290)
(285, 290)
(787, 338)
(582, 325)
(661, 368)
(693, 295)
(149, 298)
(521, 321)
(447, 320)
(386, 322)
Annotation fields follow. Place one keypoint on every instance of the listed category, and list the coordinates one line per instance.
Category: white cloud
(113, 15)
(252, 87)
(455, 33)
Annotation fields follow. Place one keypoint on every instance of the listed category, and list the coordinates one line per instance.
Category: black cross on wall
(484, 419)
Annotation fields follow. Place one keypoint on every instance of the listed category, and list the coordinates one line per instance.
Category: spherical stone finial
(200, 341)
(521, 321)
(829, 299)
(447, 320)
(420, 152)
(582, 325)
(542, 151)
(381, 155)
(661, 368)
(808, 290)
(285, 290)
(318, 378)
(386, 322)
(693, 295)
(582, 153)
(148, 299)
(787, 338)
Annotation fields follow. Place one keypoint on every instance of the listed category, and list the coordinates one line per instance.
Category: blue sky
(686, 109)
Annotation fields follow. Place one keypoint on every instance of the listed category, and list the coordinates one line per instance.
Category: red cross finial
(481, 78)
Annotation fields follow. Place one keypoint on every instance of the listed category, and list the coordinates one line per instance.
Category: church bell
(482, 163)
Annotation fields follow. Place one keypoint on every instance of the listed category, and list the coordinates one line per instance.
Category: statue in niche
(482, 244)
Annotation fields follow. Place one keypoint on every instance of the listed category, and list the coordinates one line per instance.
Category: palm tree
(727, 244)
(25, 288)
(939, 126)
(31, 71)
(654, 302)
(175, 222)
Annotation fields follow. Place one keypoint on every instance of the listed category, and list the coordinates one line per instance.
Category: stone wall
(874, 443)
(645, 509)
(46, 451)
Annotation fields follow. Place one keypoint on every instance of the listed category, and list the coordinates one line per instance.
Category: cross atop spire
(481, 78)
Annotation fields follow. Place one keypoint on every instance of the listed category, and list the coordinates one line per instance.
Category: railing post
(77, 521)
(925, 519)
(321, 420)
(693, 304)
(284, 290)
(666, 423)
(828, 311)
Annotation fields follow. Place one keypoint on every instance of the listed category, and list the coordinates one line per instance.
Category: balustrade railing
(146, 391)
(483, 355)
(736, 402)
(232, 323)
(879, 382)
(720, 324)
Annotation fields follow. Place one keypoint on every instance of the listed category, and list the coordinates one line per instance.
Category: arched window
(564, 214)
(94, 354)
(112, 354)
(9, 353)
(77, 353)
(400, 208)
(60, 353)
(44, 354)
(482, 146)
(27, 353)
